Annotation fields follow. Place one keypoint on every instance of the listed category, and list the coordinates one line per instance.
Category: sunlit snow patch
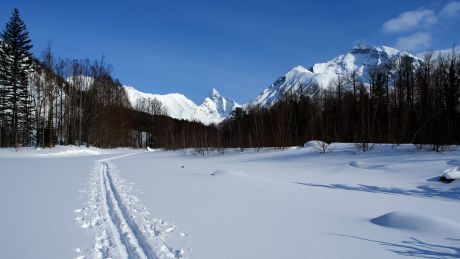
(72, 152)
(418, 223)
(450, 175)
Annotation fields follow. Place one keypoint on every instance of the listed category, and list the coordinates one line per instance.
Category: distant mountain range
(215, 108)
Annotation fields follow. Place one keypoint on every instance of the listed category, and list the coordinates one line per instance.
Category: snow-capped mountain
(214, 109)
(438, 52)
(359, 59)
(217, 106)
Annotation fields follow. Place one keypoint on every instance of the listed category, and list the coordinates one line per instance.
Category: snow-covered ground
(78, 202)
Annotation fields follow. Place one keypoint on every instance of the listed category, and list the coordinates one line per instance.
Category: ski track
(122, 231)
(132, 238)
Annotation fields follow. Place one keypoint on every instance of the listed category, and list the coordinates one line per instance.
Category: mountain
(438, 52)
(214, 109)
(359, 59)
(217, 106)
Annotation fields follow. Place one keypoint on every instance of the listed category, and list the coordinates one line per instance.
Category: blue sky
(238, 47)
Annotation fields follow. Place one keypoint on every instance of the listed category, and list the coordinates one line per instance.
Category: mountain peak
(299, 67)
(214, 93)
(364, 46)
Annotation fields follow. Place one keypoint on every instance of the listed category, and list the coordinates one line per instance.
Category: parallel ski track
(128, 232)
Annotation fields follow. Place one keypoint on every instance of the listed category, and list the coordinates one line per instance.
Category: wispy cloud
(450, 10)
(410, 20)
(414, 42)
(414, 28)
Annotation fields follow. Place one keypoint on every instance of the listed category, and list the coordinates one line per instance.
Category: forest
(47, 101)
(404, 102)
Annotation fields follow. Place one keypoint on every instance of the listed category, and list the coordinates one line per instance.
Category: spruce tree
(3, 93)
(15, 63)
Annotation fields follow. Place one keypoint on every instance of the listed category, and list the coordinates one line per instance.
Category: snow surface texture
(295, 203)
(123, 226)
(452, 173)
(59, 151)
(418, 223)
(359, 59)
(301, 204)
(214, 109)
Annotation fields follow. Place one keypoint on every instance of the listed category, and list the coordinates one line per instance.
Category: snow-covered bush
(317, 145)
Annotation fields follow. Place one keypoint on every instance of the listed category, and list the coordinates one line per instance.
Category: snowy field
(70, 202)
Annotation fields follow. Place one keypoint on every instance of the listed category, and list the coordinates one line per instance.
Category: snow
(269, 203)
(452, 173)
(317, 145)
(39, 197)
(359, 59)
(85, 82)
(58, 151)
(214, 109)
(290, 82)
(437, 53)
(418, 223)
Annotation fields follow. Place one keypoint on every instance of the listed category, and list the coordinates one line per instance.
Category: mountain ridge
(213, 110)
(359, 60)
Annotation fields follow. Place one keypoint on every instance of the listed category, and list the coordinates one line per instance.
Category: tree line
(405, 101)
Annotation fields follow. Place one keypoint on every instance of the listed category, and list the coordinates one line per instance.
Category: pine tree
(4, 120)
(15, 63)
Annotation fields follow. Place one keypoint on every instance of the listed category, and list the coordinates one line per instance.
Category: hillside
(359, 60)
(214, 108)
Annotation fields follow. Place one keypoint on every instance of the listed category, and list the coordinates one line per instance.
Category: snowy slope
(359, 59)
(214, 109)
(85, 82)
(437, 53)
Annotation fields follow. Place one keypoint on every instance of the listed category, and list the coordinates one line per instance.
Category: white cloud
(410, 20)
(417, 25)
(414, 42)
(450, 10)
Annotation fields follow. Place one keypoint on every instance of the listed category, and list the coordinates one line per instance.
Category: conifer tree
(15, 63)
(3, 93)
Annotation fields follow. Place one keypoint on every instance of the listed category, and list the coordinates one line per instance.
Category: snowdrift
(418, 223)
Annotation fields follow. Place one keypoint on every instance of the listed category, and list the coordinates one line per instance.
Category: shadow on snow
(421, 191)
(416, 248)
